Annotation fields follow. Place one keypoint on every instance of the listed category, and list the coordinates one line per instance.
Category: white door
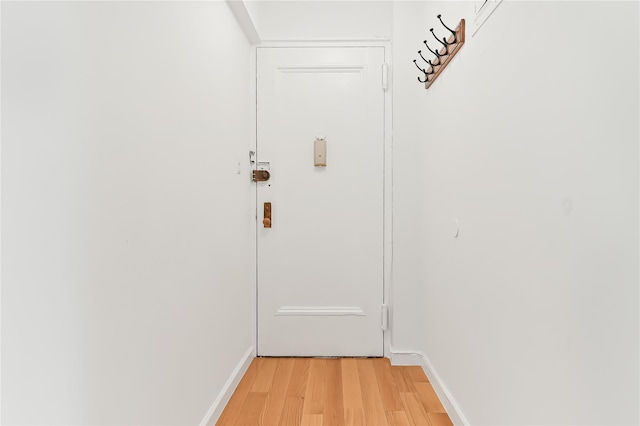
(320, 264)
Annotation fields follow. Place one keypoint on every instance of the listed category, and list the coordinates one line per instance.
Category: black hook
(426, 74)
(445, 44)
(426, 79)
(455, 36)
(427, 61)
(435, 53)
(418, 66)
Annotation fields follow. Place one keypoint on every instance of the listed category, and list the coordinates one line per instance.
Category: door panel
(320, 264)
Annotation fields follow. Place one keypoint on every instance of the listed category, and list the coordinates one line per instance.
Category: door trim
(387, 171)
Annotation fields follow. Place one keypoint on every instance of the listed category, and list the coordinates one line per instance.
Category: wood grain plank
(397, 418)
(333, 404)
(387, 385)
(403, 382)
(311, 420)
(252, 408)
(266, 371)
(275, 399)
(299, 375)
(429, 398)
(354, 417)
(231, 411)
(351, 394)
(439, 419)
(414, 409)
(314, 395)
(371, 399)
(291, 411)
(415, 373)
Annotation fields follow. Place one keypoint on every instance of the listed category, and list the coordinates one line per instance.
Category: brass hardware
(261, 175)
(267, 215)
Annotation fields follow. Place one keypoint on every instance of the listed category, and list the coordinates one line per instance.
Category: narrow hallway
(187, 184)
(346, 391)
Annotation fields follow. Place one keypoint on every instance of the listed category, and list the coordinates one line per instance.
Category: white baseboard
(227, 390)
(417, 358)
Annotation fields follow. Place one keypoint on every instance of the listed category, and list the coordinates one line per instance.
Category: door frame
(387, 171)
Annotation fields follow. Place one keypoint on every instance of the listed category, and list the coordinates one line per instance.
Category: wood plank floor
(334, 392)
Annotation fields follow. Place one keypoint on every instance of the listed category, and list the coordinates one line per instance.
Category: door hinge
(385, 76)
(384, 317)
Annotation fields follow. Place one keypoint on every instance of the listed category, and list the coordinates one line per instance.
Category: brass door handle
(267, 215)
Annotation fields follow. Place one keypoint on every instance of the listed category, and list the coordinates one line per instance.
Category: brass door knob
(266, 222)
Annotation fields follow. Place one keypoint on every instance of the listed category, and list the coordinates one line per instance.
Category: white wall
(529, 139)
(125, 282)
(321, 20)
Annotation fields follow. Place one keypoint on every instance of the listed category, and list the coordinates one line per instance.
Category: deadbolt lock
(261, 175)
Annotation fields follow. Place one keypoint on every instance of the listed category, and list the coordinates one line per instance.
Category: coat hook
(426, 74)
(442, 55)
(435, 53)
(418, 66)
(427, 61)
(455, 36)
(445, 44)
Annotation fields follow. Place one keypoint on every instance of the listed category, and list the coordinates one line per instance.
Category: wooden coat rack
(450, 47)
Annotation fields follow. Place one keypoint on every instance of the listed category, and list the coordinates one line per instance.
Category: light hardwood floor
(335, 392)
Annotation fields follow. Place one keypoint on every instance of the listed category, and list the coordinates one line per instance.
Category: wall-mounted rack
(450, 47)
